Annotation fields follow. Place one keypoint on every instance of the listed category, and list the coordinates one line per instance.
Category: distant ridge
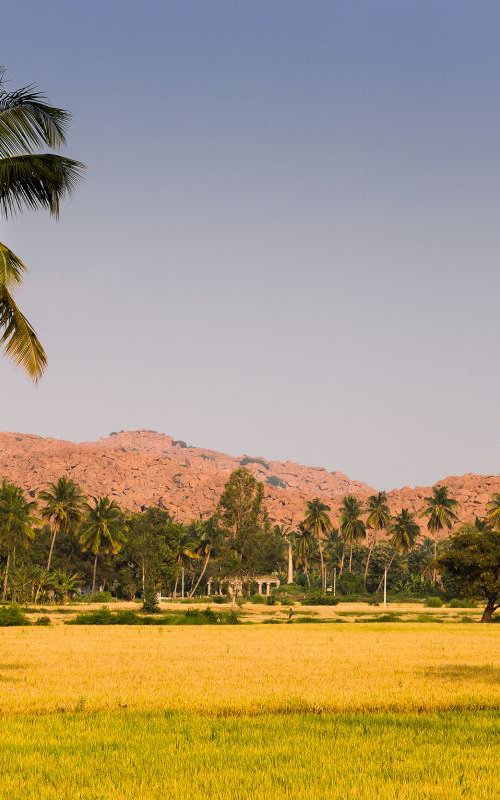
(140, 468)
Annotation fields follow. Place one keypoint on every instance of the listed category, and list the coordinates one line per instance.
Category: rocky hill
(140, 468)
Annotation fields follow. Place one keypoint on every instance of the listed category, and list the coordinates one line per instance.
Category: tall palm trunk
(370, 551)
(205, 565)
(6, 578)
(290, 562)
(350, 556)
(94, 573)
(322, 563)
(51, 551)
(382, 578)
(306, 570)
(342, 560)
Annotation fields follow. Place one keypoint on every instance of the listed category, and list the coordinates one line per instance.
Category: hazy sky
(288, 239)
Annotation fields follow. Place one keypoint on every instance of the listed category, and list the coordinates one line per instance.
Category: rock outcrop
(140, 468)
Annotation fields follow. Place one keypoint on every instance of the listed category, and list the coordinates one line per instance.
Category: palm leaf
(27, 121)
(19, 339)
(36, 181)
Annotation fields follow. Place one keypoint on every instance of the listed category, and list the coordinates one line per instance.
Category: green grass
(162, 756)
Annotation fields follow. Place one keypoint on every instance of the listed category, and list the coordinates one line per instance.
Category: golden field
(250, 669)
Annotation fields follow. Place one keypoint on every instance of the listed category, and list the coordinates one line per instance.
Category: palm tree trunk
(306, 570)
(174, 593)
(322, 565)
(6, 578)
(382, 579)
(51, 551)
(370, 551)
(94, 573)
(205, 565)
(290, 562)
(343, 559)
(350, 556)
(434, 571)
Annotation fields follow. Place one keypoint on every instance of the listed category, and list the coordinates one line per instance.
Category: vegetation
(33, 180)
(80, 547)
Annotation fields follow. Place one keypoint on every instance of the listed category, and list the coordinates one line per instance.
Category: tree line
(62, 542)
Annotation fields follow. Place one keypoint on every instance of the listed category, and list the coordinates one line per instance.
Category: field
(386, 710)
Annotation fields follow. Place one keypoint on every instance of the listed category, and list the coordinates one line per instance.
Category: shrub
(248, 460)
(318, 599)
(219, 599)
(44, 620)
(11, 616)
(97, 597)
(461, 603)
(258, 599)
(150, 602)
(277, 483)
(434, 602)
(101, 617)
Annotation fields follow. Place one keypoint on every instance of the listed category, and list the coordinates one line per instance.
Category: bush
(318, 599)
(44, 620)
(97, 597)
(461, 603)
(434, 602)
(219, 599)
(258, 599)
(11, 616)
(150, 602)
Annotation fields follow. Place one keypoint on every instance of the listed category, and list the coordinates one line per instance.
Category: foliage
(28, 180)
(12, 616)
(472, 559)
(434, 602)
(319, 599)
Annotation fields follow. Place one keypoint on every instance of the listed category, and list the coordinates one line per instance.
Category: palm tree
(304, 549)
(352, 527)
(378, 519)
(286, 532)
(404, 534)
(16, 524)
(319, 523)
(493, 512)
(185, 547)
(204, 547)
(64, 505)
(440, 513)
(102, 530)
(32, 180)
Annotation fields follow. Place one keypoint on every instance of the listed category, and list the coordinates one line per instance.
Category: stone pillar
(268, 589)
(259, 584)
(209, 588)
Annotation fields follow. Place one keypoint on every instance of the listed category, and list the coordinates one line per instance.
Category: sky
(287, 242)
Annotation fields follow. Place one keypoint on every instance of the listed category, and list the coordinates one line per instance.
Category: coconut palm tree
(102, 530)
(320, 524)
(378, 519)
(16, 524)
(352, 527)
(185, 553)
(404, 532)
(440, 513)
(304, 549)
(64, 506)
(286, 532)
(28, 179)
(493, 512)
(205, 546)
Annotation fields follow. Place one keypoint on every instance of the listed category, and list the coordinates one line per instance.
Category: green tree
(242, 515)
(378, 519)
(64, 506)
(304, 549)
(102, 530)
(205, 546)
(185, 548)
(320, 524)
(16, 525)
(472, 559)
(352, 527)
(28, 179)
(404, 534)
(493, 513)
(441, 513)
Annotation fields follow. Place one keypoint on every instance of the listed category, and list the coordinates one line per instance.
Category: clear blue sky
(288, 239)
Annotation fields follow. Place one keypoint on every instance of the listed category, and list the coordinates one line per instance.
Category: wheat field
(347, 712)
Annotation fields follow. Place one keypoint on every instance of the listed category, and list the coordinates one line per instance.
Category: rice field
(394, 710)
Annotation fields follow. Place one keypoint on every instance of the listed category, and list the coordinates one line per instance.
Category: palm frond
(19, 339)
(36, 181)
(11, 268)
(27, 122)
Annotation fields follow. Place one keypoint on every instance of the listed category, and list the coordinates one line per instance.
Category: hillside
(140, 468)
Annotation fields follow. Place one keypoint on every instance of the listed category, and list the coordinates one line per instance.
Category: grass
(110, 756)
(349, 712)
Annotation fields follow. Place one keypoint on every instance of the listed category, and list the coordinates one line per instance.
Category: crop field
(385, 710)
